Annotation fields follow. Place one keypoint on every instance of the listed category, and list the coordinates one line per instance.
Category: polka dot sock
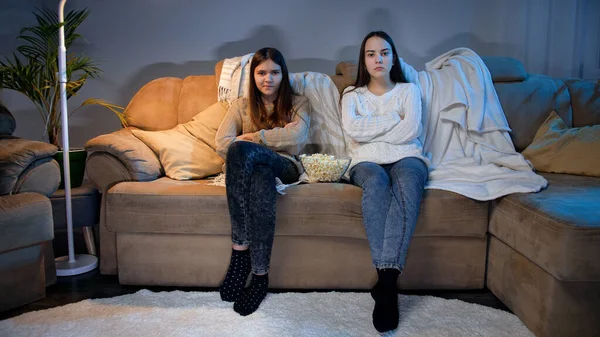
(253, 295)
(237, 274)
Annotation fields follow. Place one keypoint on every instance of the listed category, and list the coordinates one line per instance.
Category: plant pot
(77, 159)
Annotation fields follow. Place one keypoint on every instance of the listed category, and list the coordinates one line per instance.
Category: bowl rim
(346, 166)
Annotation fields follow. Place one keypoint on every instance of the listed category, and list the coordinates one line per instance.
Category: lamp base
(82, 264)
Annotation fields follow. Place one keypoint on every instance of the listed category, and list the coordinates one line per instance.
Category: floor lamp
(72, 264)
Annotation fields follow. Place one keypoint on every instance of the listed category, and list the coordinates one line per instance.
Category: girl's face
(267, 77)
(378, 57)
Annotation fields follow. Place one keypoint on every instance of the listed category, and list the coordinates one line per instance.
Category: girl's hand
(246, 136)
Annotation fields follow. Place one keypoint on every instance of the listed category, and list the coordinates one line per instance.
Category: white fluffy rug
(179, 313)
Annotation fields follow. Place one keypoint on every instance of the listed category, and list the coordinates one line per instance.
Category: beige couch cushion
(154, 106)
(167, 206)
(557, 148)
(197, 94)
(558, 228)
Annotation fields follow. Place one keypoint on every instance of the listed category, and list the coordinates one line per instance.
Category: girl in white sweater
(381, 116)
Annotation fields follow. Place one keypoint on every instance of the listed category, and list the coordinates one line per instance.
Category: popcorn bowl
(324, 168)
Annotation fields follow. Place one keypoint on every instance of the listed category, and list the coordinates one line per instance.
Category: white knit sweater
(383, 129)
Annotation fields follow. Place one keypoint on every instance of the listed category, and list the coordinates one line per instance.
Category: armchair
(28, 175)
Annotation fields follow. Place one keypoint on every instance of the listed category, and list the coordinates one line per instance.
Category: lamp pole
(62, 78)
(68, 265)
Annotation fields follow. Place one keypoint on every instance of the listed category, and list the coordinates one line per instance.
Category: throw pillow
(556, 148)
(205, 124)
(187, 151)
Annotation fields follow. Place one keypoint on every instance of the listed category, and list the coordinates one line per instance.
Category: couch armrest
(20, 156)
(123, 155)
(42, 176)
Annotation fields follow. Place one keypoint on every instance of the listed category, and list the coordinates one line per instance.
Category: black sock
(252, 296)
(237, 275)
(385, 294)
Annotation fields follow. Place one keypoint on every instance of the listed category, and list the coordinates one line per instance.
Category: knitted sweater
(287, 141)
(383, 129)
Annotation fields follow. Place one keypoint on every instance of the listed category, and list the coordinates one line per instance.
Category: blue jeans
(251, 195)
(390, 206)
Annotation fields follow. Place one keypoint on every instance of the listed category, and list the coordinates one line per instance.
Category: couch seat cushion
(25, 220)
(169, 206)
(558, 228)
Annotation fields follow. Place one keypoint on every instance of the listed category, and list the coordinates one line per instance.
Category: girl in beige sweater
(259, 139)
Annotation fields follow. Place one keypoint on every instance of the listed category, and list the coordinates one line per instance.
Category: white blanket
(465, 132)
(234, 79)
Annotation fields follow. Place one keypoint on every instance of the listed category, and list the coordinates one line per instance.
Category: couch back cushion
(505, 69)
(165, 102)
(585, 101)
(528, 103)
(197, 94)
(154, 106)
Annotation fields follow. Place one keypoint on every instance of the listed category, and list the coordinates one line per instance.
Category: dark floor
(94, 285)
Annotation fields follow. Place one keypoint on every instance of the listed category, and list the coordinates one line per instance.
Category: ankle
(388, 277)
(260, 278)
(239, 248)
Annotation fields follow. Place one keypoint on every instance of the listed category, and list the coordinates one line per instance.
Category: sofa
(28, 175)
(538, 252)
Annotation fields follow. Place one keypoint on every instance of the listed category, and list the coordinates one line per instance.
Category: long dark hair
(363, 78)
(283, 105)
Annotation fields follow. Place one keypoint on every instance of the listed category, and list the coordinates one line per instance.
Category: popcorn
(324, 168)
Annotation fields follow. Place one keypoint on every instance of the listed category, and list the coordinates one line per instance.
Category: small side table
(85, 206)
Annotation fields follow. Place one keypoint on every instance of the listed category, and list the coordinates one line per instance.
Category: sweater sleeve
(410, 127)
(230, 128)
(289, 139)
(362, 127)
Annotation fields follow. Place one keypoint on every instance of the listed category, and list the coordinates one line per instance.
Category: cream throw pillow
(187, 151)
(556, 148)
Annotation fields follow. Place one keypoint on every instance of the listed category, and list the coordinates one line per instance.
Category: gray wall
(136, 41)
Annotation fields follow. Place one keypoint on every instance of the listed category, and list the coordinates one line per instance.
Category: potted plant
(33, 71)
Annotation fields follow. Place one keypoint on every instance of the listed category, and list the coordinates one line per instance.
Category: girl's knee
(411, 167)
(240, 150)
(370, 175)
